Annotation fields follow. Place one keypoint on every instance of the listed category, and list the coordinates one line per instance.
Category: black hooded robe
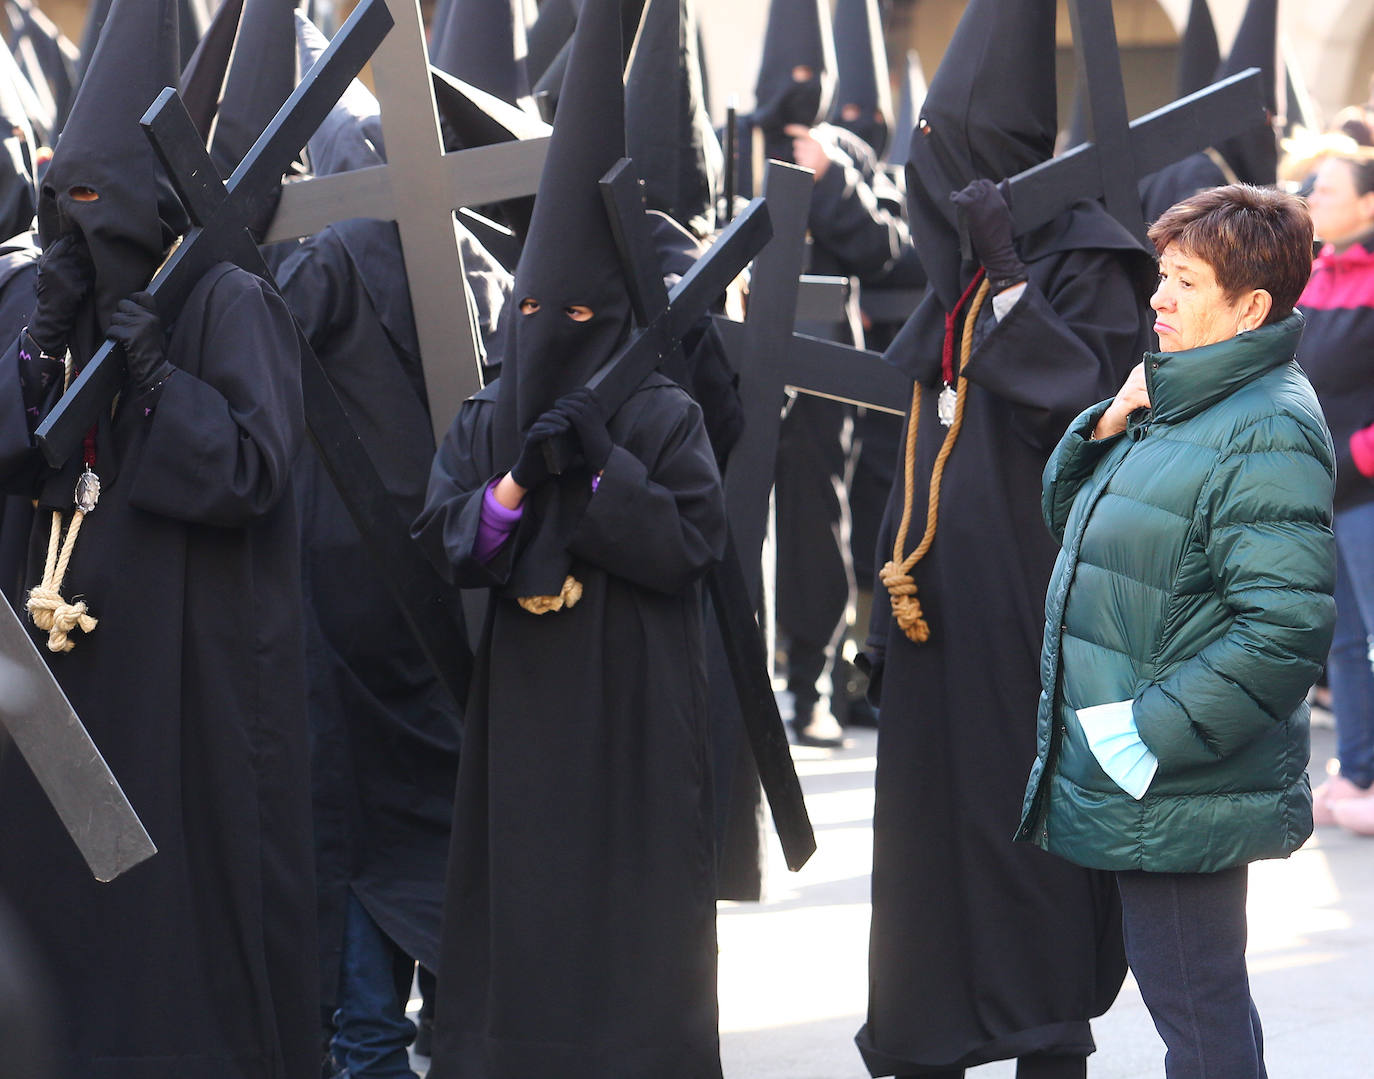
(579, 926)
(200, 961)
(384, 734)
(981, 949)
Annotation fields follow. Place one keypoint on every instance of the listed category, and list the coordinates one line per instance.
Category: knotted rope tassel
(46, 606)
(896, 574)
(568, 597)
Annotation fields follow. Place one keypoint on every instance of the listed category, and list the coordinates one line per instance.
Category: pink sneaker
(1356, 814)
(1327, 795)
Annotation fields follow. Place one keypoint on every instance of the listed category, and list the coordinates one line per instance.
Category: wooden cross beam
(419, 188)
(725, 582)
(64, 760)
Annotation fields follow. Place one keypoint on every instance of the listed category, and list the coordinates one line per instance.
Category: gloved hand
(531, 469)
(987, 218)
(584, 411)
(40, 377)
(65, 276)
(136, 325)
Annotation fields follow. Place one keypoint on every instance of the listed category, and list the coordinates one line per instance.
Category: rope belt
(896, 574)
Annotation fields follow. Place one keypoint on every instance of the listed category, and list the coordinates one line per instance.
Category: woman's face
(1340, 213)
(1191, 309)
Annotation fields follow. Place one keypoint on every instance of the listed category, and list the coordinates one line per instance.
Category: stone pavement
(793, 978)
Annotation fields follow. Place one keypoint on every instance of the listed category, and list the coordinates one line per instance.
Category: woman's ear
(1254, 310)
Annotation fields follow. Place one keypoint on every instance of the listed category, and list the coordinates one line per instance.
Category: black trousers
(1185, 940)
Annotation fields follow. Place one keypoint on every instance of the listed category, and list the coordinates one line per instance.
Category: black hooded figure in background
(857, 230)
(981, 950)
(172, 620)
(579, 924)
(384, 732)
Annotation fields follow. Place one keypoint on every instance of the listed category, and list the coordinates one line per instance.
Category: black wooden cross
(64, 760)
(663, 319)
(1119, 154)
(420, 187)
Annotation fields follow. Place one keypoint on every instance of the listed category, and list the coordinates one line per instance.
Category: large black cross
(663, 319)
(419, 187)
(219, 212)
(1120, 154)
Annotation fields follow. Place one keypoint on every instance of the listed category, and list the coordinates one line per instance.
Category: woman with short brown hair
(1189, 613)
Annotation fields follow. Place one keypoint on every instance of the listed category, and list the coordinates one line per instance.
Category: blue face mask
(1115, 742)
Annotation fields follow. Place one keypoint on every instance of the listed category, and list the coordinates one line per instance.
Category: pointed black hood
(863, 91)
(48, 61)
(351, 135)
(202, 80)
(569, 257)
(990, 113)
(193, 18)
(135, 216)
(667, 129)
(1199, 55)
(549, 86)
(798, 35)
(547, 35)
(908, 109)
(261, 77)
(1254, 156)
(482, 42)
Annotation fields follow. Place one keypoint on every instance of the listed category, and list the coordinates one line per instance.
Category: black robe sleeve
(447, 527)
(1064, 344)
(863, 230)
(222, 440)
(660, 524)
(20, 463)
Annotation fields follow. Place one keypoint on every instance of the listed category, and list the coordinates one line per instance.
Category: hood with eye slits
(862, 79)
(569, 257)
(990, 113)
(798, 35)
(137, 216)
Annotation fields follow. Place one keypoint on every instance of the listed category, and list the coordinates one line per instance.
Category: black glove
(588, 421)
(531, 469)
(136, 325)
(987, 218)
(40, 377)
(65, 276)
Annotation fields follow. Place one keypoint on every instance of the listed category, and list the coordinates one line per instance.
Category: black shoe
(820, 732)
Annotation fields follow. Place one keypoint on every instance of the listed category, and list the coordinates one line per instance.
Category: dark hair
(1252, 237)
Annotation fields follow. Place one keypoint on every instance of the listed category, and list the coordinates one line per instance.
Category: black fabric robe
(579, 927)
(201, 961)
(957, 976)
(384, 734)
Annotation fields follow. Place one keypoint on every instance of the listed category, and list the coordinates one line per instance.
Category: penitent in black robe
(982, 949)
(200, 961)
(384, 733)
(579, 926)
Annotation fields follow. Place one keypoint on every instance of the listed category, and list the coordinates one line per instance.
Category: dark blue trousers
(1185, 940)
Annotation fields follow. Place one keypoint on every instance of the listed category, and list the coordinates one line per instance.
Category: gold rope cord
(567, 597)
(896, 575)
(47, 608)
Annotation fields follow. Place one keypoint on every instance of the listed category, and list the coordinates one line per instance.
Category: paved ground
(792, 972)
(793, 969)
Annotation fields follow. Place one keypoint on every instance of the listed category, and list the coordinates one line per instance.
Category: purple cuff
(496, 525)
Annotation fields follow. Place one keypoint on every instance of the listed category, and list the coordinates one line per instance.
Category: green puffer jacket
(1195, 581)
